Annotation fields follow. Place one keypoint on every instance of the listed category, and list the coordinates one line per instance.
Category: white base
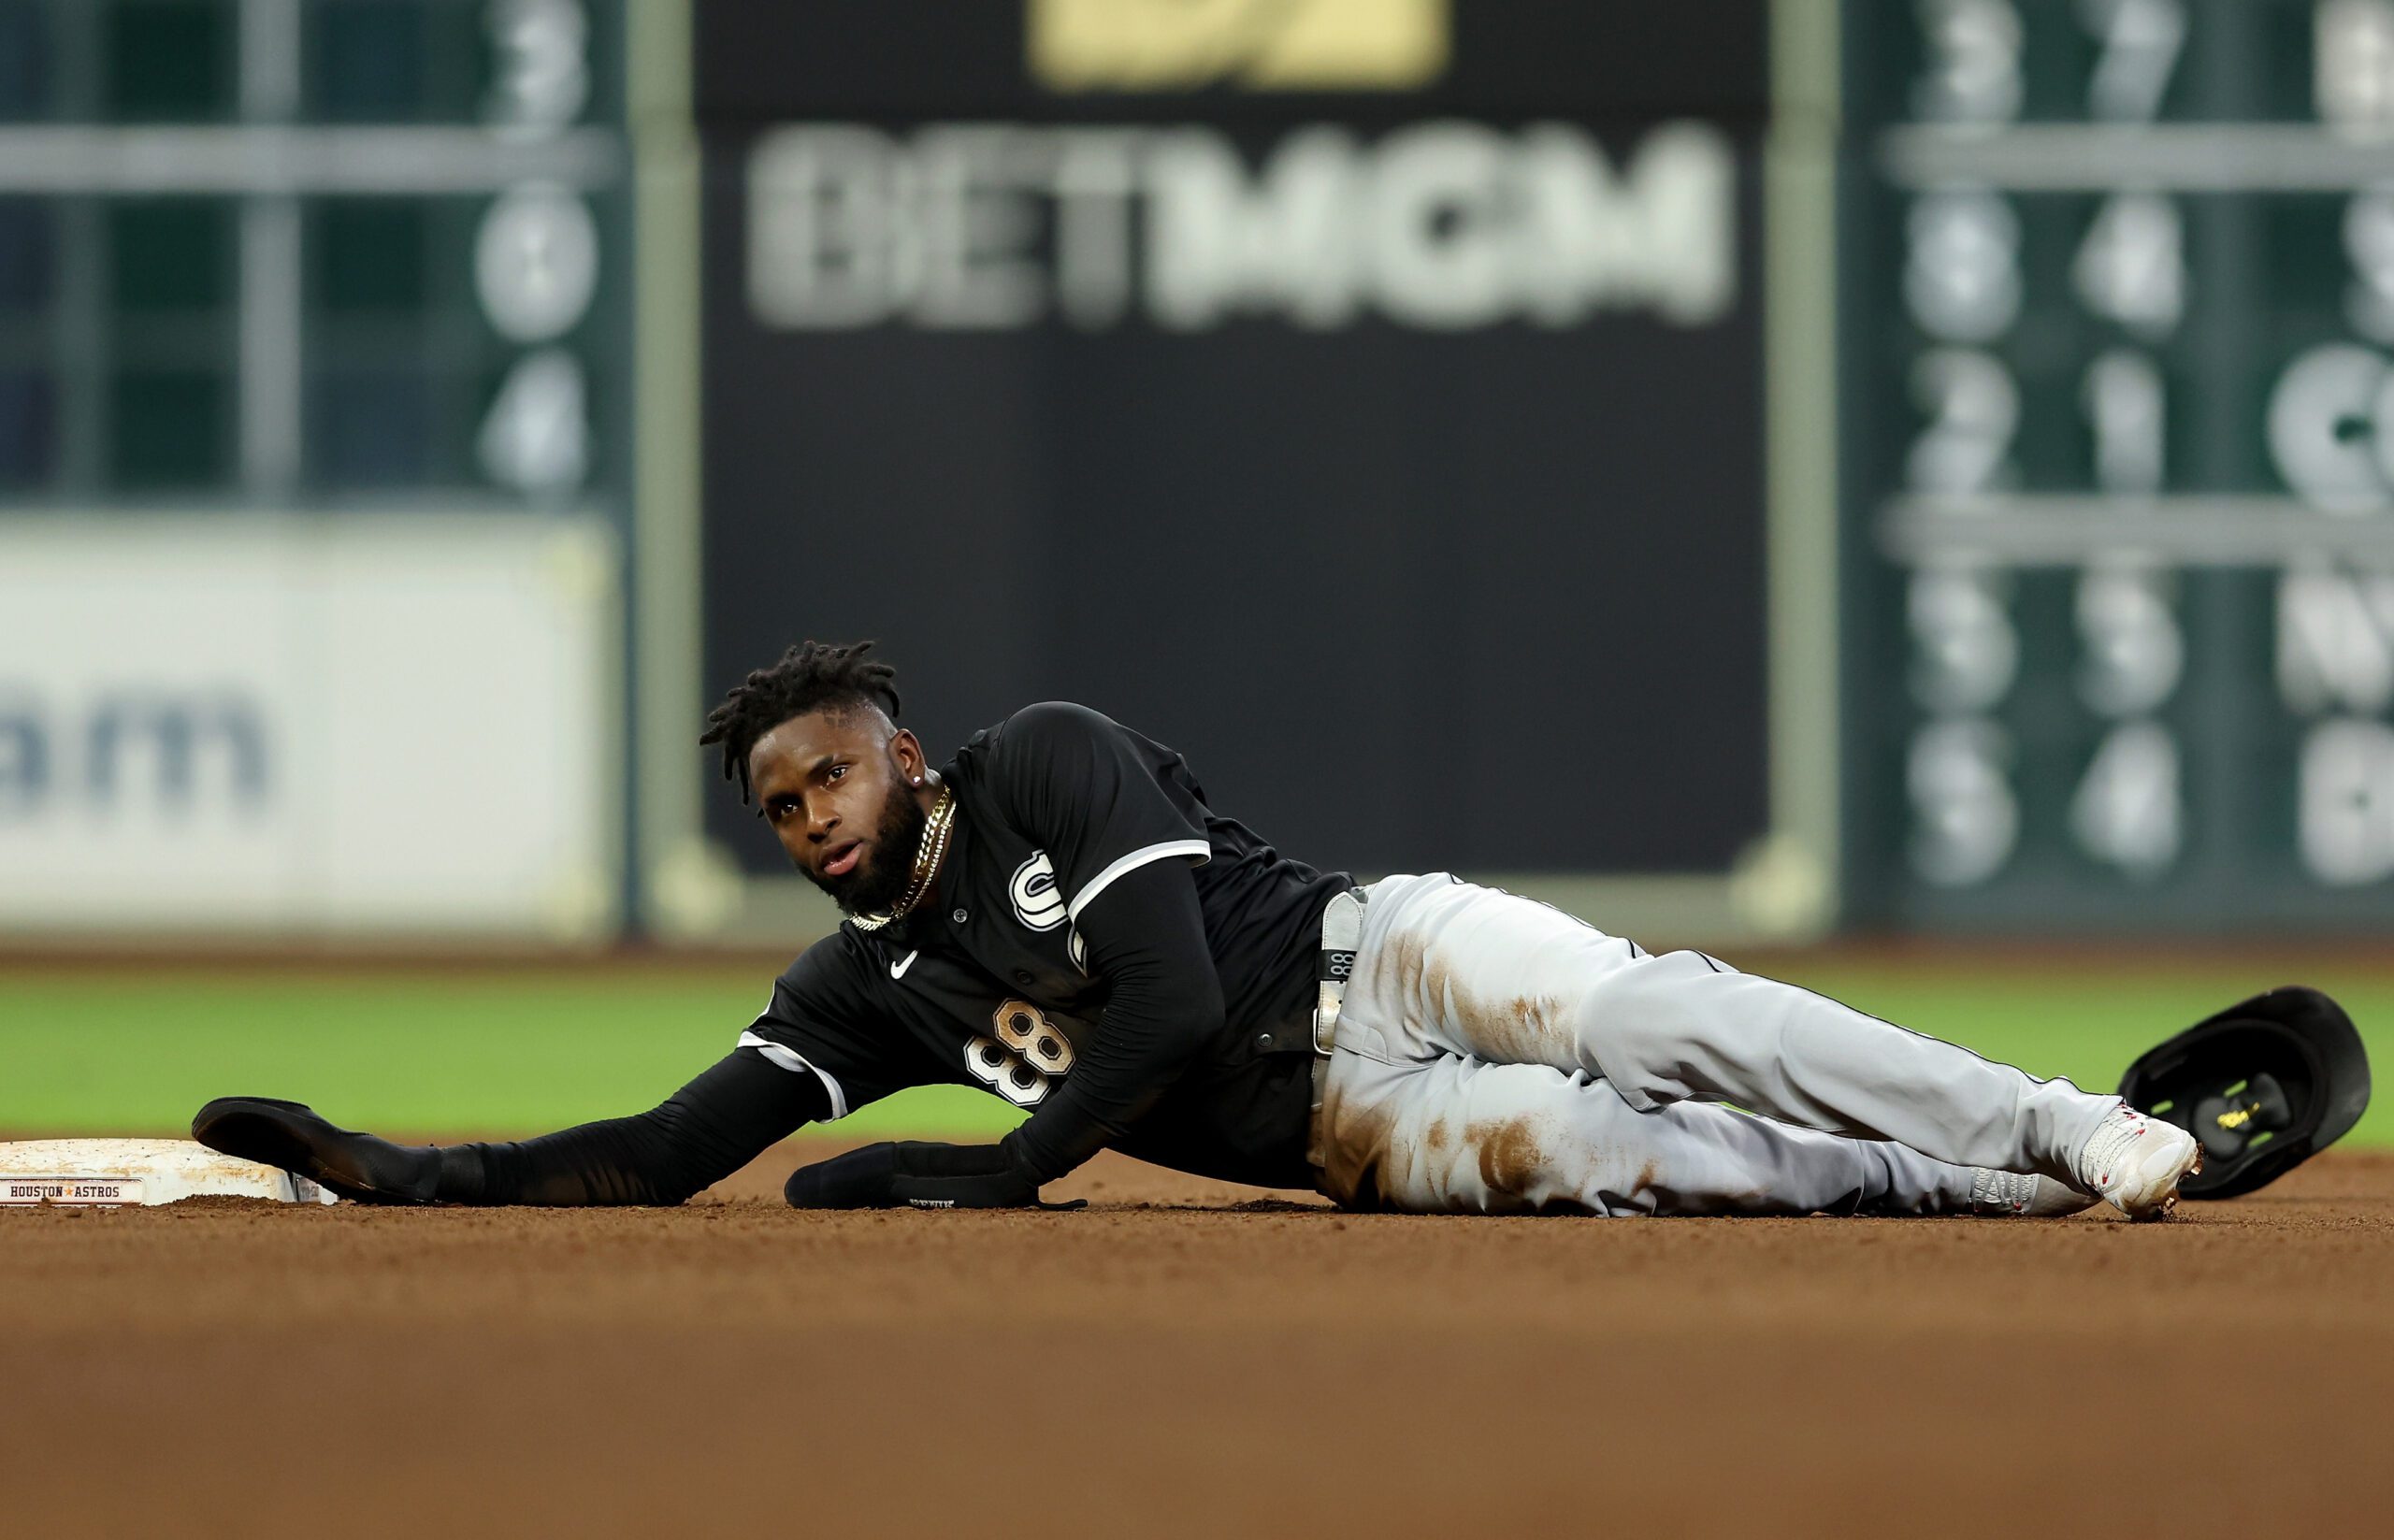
(123, 1172)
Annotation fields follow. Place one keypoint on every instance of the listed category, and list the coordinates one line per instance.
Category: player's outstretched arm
(702, 1133)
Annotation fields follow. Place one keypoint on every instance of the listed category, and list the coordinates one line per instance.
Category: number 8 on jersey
(1027, 1050)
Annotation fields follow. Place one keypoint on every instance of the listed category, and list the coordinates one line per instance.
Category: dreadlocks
(809, 676)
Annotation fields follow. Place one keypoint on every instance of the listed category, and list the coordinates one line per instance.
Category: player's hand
(919, 1175)
(357, 1166)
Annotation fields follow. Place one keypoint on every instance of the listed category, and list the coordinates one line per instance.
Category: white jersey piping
(1132, 862)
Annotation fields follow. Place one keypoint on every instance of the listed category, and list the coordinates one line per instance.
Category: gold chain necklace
(927, 860)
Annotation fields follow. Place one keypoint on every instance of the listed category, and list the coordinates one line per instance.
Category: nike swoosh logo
(898, 970)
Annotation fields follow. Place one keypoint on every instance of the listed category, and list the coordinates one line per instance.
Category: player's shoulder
(1037, 742)
(1057, 758)
(1056, 722)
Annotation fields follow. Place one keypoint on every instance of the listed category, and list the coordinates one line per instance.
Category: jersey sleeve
(821, 1021)
(1098, 798)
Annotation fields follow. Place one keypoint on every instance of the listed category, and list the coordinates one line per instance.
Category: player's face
(840, 793)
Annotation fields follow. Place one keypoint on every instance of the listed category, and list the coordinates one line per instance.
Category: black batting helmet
(2265, 1086)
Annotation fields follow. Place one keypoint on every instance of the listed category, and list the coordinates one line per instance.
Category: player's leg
(1456, 1135)
(1446, 965)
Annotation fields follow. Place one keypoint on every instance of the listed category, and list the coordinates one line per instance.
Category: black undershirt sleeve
(1145, 937)
(702, 1134)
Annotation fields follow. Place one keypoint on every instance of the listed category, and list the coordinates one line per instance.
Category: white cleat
(2021, 1194)
(2135, 1163)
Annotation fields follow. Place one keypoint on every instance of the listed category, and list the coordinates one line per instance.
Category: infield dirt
(1188, 1357)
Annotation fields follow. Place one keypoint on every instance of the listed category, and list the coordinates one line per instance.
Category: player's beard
(881, 878)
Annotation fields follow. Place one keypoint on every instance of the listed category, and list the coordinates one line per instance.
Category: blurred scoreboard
(278, 253)
(315, 421)
(2118, 462)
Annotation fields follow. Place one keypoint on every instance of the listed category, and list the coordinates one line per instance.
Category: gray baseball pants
(1495, 1055)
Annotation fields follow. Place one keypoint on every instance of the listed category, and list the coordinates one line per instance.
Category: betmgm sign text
(1444, 225)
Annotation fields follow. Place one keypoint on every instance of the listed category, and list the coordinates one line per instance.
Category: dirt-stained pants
(1495, 1055)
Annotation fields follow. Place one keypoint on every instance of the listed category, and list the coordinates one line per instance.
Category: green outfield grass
(501, 1052)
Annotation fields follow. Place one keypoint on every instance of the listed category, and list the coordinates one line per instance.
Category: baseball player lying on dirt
(1057, 916)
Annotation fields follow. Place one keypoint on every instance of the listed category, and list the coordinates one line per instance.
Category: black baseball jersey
(991, 989)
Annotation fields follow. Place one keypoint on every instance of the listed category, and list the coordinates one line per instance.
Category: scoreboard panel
(2118, 357)
(315, 421)
(287, 253)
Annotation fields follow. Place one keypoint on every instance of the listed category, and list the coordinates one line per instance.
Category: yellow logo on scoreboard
(1257, 45)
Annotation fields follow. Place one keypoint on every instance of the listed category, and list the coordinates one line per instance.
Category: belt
(1342, 934)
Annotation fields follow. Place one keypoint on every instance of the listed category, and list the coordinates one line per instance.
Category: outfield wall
(1731, 471)
(308, 726)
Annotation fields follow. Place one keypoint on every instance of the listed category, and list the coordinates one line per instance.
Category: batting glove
(917, 1174)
